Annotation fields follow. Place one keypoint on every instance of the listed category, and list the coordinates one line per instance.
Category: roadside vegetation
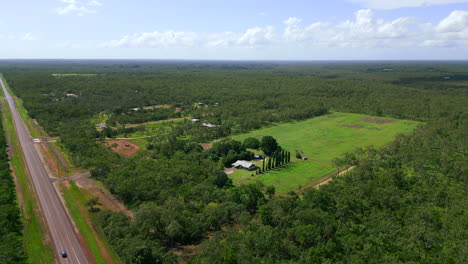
(35, 247)
(11, 236)
(390, 208)
(76, 201)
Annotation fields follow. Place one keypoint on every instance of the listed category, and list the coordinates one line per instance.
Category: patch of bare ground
(229, 171)
(107, 200)
(185, 253)
(123, 147)
(357, 126)
(51, 162)
(377, 120)
(206, 146)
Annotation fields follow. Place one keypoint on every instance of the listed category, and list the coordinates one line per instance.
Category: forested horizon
(402, 203)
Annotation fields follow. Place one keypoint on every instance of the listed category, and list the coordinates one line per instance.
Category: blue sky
(238, 30)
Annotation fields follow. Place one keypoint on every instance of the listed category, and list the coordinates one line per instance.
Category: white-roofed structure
(243, 164)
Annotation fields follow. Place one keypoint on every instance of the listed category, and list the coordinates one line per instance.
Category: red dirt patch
(123, 147)
(357, 126)
(206, 146)
(229, 171)
(377, 121)
(107, 200)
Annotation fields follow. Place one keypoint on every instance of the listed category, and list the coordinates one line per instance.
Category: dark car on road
(63, 253)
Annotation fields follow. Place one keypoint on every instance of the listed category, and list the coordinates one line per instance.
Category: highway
(58, 222)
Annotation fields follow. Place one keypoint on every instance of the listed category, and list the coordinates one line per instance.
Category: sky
(235, 29)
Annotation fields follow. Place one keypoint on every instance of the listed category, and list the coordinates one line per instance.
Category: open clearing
(123, 147)
(321, 139)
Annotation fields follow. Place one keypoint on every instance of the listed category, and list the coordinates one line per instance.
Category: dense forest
(11, 246)
(403, 203)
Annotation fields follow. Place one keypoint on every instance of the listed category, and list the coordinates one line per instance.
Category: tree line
(400, 204)
(11, 236)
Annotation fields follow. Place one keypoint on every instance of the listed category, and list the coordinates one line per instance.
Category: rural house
(209, 125)
(243, 164)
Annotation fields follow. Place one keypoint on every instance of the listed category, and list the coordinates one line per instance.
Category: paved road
(58, 222)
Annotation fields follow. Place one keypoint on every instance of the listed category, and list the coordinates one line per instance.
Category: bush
(252, 143)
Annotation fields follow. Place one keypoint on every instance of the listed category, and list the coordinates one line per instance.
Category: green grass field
(321, 139)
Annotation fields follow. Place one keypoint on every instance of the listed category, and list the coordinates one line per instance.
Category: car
(63, 253)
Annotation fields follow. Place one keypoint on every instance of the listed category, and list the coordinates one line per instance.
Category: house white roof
(209, 125)
(243, 163)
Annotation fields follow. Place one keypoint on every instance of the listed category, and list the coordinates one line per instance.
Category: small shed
(71, 95)
(243, 164)
(209, 125)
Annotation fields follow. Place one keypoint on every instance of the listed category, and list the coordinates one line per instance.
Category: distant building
(209, 125)
(135, 109)
(304, 158)
(243, 164)
(71, 95)
(195, 120)
(102, 126)
(201, 104)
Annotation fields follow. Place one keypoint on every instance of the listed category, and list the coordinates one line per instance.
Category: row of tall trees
(277, 159)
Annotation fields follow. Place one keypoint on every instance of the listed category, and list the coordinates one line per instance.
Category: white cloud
(394, 4)
(94, 3)
(78, 7)
(263, 14)
(68, 45)
(155, 39)
(252, 37)
(15, 37)
(456, 21)
(365, 31)
(257, 36)
(28, 37)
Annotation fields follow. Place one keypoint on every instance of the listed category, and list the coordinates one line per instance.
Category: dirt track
(324, 180)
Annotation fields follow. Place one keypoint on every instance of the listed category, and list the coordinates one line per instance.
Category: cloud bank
(78, 7)
(364, 31)
(394, 4)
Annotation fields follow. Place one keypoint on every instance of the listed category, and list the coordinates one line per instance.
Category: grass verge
(75, 199)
